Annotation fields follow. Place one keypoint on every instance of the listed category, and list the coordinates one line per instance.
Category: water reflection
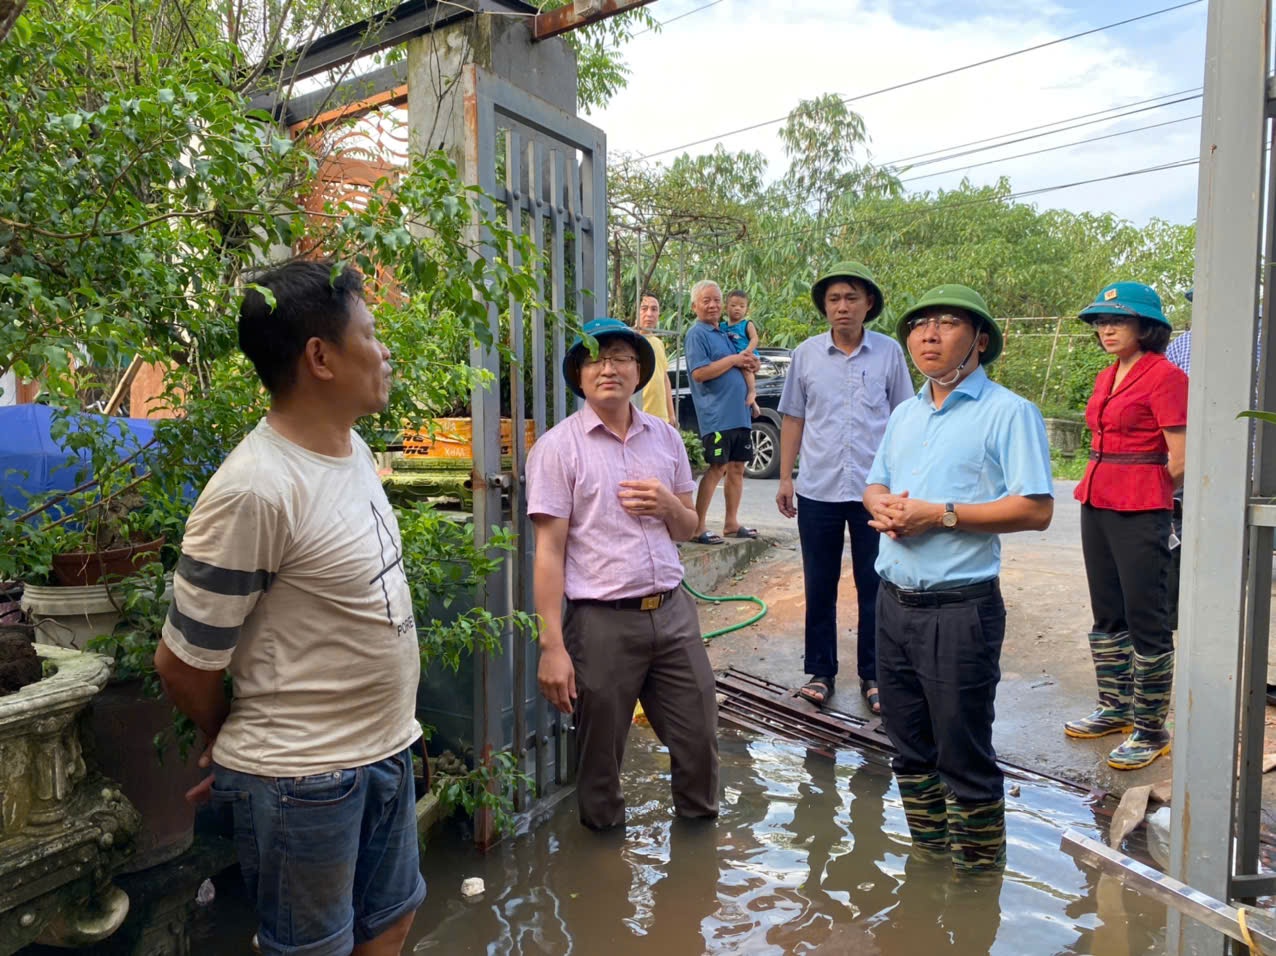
(810, 855)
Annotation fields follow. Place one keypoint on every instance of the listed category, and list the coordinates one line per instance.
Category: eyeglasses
(620, 363)
(945, 323)
(1108, 321)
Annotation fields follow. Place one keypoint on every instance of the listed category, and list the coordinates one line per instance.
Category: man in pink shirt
(609, 491)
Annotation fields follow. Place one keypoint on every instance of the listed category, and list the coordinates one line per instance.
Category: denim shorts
(330, 860)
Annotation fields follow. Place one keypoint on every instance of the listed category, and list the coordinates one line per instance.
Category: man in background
(657, 397)
(720, 392)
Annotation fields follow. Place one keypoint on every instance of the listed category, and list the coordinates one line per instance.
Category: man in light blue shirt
(720, 394)
(839, 392)
(962, 462)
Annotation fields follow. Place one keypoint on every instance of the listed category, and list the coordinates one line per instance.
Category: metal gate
(553, 190)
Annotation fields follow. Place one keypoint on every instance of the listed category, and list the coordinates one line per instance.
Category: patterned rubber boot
(924, 807)
(978, 834)
(1114, 672)
(1153, 681)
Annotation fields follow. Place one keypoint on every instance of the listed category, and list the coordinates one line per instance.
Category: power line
(934, 76)
(1050, 149)
(955, 152)
(931, 210)
(1062, 129)
(665, 23)
(1032, 129)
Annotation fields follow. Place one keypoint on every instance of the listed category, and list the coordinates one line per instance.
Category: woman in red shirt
(1137, 416)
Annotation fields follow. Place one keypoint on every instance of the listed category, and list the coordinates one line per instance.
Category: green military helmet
(846, 271)
(957, 297)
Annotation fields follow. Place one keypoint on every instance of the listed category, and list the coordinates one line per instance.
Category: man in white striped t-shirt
(291, 580)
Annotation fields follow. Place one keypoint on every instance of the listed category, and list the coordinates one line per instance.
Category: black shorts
(733, 444)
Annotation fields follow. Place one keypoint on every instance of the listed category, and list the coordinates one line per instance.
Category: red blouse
(1128, 421)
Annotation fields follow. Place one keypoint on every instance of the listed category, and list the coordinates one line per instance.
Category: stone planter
(1065, 436)
(64, 830)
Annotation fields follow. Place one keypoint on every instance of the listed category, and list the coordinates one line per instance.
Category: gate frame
(544, 182)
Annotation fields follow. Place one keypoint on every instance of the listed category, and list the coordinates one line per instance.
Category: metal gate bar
(555, 169)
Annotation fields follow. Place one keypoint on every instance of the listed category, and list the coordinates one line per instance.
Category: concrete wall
(503, 45)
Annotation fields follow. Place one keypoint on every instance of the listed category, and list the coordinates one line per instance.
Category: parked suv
(766, 429)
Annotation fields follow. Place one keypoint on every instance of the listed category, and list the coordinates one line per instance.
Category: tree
(695, 201)
(600, 66)
(710, 208)
(822, 138)
(10, 10)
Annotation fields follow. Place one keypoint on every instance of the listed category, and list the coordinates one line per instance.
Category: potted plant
(70, 549)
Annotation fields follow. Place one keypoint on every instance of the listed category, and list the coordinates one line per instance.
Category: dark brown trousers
(657, 657)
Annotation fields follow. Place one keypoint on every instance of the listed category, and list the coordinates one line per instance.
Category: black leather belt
(1130, 457)
(910, 598)
(649, 603)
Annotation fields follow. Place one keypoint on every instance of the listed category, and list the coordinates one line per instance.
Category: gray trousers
(657, 657)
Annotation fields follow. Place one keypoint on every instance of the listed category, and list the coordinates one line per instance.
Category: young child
(744, 336)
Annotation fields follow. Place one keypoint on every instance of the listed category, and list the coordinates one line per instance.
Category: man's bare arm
(199, 694)
(904, 516)
(720, 367)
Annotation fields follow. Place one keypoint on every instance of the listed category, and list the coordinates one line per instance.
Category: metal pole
(1212, 609)
(637, 273)
(682, 329)
(480, 169)
(1054, 347)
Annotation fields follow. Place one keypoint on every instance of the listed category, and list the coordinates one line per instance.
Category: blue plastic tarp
(33, 462)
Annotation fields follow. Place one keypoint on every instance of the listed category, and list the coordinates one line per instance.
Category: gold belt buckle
(652, 602)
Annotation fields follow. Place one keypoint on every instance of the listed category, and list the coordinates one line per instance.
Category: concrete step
(708, 566)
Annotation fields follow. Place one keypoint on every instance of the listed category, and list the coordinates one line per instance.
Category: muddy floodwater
(810, 855)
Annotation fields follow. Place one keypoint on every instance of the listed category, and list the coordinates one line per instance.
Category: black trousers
(938, 670)
(822, 527)
(1127, 564)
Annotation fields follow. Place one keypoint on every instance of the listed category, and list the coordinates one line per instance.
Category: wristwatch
(949, 520)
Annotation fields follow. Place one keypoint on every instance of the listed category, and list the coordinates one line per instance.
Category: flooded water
(809, 855)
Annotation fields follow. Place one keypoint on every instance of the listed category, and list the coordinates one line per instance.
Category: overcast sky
(740, 62)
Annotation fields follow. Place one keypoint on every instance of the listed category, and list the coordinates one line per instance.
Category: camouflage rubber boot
(978, 834)
(1113, 670)
(1153, 680)
(923, 798)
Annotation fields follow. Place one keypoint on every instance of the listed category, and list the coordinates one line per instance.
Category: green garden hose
(723, 600)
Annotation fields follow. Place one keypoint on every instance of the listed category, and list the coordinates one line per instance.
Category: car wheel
(766, 451)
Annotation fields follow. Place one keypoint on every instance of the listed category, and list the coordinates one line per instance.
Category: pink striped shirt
(574, 471)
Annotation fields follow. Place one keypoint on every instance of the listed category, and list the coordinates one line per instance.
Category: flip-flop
(743, 533)
(817, 691)
(708, 537)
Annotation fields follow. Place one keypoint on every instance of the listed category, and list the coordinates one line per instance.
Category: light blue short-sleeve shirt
(986, 443)
(720, 401)
(844, 401)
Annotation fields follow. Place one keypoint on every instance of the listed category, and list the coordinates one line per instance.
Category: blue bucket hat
(1128, 299)
(602, 330)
